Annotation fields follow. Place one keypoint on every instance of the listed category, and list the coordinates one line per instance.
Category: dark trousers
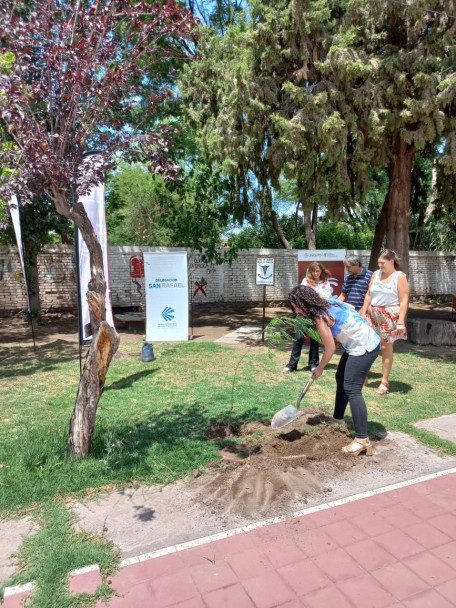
(314, 355)
(350, 375)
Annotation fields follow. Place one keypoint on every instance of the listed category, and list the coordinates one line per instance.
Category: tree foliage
(76, 80)
(329, 94)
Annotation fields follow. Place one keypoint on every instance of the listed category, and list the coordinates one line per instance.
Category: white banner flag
(166, 281)
(14, 213)
(94, 204)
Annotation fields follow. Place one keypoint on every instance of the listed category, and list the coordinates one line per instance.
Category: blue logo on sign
(167, 313)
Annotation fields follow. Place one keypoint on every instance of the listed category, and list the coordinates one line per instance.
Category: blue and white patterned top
(350, 329)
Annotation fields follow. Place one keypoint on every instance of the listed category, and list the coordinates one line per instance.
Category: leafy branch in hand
(281, 330)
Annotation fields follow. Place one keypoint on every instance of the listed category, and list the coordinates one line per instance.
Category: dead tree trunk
(400, 187)
(105, 339)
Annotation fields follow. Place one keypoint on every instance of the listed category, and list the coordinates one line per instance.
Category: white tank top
(384, 294)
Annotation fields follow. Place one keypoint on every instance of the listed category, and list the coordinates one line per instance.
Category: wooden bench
(133, 321)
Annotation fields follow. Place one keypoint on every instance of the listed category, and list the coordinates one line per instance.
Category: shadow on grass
(24, 362)
(129, 380)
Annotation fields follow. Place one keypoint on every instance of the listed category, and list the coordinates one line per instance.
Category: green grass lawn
(153, 419)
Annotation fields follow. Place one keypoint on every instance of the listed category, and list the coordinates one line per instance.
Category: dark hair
(308, 300)
(325, 274)
(391, 255)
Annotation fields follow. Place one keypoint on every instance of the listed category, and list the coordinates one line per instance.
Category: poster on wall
(166, 281)
(332, 259)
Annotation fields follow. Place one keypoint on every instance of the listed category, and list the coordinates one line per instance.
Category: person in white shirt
(316, 277)
(385, 307)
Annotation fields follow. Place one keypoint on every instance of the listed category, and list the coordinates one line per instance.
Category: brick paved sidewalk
(396, 548)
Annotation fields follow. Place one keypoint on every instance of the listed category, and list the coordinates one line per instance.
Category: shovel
(290, 413)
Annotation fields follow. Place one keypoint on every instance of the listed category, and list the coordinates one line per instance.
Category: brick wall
(12, 294)
(430, 273)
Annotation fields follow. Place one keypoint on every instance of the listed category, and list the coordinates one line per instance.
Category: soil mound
(264, 469)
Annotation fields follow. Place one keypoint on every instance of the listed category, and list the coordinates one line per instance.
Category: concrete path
(394, 547)
(246, 332)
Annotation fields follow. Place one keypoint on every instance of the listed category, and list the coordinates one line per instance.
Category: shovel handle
(304, 390)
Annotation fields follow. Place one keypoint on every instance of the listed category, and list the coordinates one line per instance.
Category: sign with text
(166, 282)
(265, 271)
(332, 259)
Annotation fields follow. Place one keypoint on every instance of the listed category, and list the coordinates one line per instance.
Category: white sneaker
(287, 369)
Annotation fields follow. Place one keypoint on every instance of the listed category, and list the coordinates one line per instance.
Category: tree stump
(432, 331)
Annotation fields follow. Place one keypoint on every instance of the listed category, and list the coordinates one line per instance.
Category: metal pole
(264, 313)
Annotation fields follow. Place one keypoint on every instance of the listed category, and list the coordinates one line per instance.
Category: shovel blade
(285, 416)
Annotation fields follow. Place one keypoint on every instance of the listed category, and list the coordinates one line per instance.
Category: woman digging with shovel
(335, 320)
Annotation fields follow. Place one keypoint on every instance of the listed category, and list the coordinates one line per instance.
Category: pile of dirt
(262, 469)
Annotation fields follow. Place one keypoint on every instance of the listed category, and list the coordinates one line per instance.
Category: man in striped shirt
(356, 283)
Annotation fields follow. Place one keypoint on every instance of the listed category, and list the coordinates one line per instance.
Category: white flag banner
(14, 213)
(94, 204)
(166, 280)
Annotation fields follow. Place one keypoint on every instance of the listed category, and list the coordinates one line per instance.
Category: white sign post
(166, 282)
(264, 276)
(265, 271)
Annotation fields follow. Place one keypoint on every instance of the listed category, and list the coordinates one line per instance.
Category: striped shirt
(355, 287)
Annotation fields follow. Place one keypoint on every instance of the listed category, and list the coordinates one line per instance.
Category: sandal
(383, 388)
(357, 446)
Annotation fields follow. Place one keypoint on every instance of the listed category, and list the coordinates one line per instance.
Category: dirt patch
(262, 470)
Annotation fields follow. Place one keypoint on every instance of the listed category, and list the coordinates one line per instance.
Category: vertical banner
(15, 218)
(332, 259)
(166, 280)
(94, 204)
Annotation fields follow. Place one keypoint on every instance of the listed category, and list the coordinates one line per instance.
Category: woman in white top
(316, 277)
(385, 308)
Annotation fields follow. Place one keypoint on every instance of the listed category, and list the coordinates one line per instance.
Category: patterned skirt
(383, 321)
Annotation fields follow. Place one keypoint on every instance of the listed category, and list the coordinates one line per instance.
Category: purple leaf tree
(85, 76)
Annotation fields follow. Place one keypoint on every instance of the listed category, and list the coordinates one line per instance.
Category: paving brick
(399, 544)
(428, 599)
(371, 524)
(162, 566)
(233, 544)
(229, 597)
(399, 516)
(133, 597)
(360, 588)
(304, 577)
(194, 602)
(283, 552)
(267, 590)
(424, 508)
(370, 555)
(430, 568)
(171, 589)
(86, 582)
(445, 523)
(249, 563)
(447, 553)
(337, 565)
(326, 597)
(400, 581)
(18, 600)
(344, 533)
(426, 535)
(128, 576)
(315, 542)
(210, 576)
(448, 590)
